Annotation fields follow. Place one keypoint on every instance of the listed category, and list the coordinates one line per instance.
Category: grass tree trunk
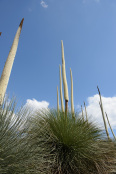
(9, 63)
(0, 33)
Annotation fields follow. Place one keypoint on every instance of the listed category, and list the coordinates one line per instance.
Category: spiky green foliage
(13, 145)
(51, 143)
(69, 145)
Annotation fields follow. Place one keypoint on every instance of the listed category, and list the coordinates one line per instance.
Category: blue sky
(88, 31)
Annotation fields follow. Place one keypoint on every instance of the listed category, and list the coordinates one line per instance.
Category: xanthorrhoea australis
(66, 97)
(9, 63)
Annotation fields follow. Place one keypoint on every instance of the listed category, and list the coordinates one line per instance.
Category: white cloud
(34, 108)
(109, 105)
(43, 4)
(35, 105)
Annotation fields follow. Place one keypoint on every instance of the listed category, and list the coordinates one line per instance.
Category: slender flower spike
(86, 112)
(82, 113)
(61, 96)
(57, 100)
(9, 63)
(72, 104)
(110, 126)
(102, 111)
(64, 75)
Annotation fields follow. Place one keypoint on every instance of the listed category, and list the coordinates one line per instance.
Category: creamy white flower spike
(61, 96)
(9, 63)
(103, 115)
(57, 100)
(72, 104)
(110, 126)
(64, 74)
(86, 112)
(82, 113)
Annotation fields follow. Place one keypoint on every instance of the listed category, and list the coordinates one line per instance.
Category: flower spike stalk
(86, 112)
(102, 111)
(61, 96)
(9, 63)
(64, 80)
(72, 103)
(57, 101)
(82, 113)
(110, 126)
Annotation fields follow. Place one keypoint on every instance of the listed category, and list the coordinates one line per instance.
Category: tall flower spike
(72, 104)
(82, 113)
(57, 101)
(61, 96)
(110, 126)
(64, 74)
(64, 81)
(86, 112)
(102, 111)
(9, 63)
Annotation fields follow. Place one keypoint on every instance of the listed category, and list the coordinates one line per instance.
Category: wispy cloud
(30, 9)
(43, 4)
(109, 105)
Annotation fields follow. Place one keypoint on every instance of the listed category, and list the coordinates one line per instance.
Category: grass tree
(9, 63)
(72, 147)
(13, 146)
(66, 97)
